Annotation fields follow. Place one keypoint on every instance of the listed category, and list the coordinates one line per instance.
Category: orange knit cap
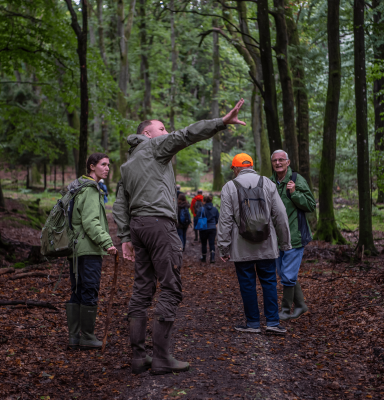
(242, 160)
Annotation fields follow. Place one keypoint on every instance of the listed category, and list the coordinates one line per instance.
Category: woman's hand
(112, 250)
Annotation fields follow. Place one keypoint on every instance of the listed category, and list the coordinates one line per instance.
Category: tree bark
(45, 175)
(101, 32)
(144, 66)
(2, 200)
(327, 229)
(74, 122)
(363, 173)
(378, 97)
(81, 34)
(270, 97)
(173, 81)
(286, 84)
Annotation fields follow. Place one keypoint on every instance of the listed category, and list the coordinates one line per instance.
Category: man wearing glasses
(298, 199)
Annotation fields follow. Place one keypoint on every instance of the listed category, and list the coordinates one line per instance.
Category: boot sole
(163, 371)
(140, 370)
(300, 315)
(276, 333)
(89, 347)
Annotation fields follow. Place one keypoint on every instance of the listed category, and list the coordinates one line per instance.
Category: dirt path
(336, 351)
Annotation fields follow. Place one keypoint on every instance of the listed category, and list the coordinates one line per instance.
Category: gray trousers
(158, 256)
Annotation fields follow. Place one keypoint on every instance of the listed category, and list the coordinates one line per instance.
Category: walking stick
(107, 320)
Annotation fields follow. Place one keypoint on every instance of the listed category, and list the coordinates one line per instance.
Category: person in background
(247, 254)
(104, 188)
(183, 218)
(196, 204)
(94, 241)
(178, 191)
(298, 199)
(209, 234)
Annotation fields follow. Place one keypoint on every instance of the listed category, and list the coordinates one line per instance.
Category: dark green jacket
(148, 185)
(90, 221)
(301, 201)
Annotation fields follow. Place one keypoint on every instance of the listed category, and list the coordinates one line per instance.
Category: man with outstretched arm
(145, 212)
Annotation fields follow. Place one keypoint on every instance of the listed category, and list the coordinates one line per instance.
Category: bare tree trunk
(74, 122)
(144, 67)
(54, 178)
(2, 200)
(45, 175)
(378, 98)
(363, 173)
(101, 31)
(286, 84)
(81, 34)
(327, 229)
(173, 82)
(62, 176)
(270, 97)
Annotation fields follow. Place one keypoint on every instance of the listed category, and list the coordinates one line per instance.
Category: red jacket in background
(198, 197)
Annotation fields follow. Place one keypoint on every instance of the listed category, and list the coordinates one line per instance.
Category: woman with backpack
(212, 214)
(89, 221)
(183, 218)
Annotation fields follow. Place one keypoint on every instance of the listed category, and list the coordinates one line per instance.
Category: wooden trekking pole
(107, 320)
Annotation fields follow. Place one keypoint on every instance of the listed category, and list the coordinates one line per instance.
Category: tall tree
(2, 201)
(81, 34)
(173, 81)
(101, 32)
(270, 97)
(362, 142)
(281, 48)
(144, 66)
(378, 91)
(216, 142)
(326, 228)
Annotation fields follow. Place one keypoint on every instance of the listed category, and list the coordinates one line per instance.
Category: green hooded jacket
(90, 221)
(301, 201)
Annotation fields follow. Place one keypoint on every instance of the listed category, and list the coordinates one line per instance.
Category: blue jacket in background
(103, 187)
(212, 215)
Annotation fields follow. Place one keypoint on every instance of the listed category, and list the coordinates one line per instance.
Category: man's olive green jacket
(147, 185)
(301, 201)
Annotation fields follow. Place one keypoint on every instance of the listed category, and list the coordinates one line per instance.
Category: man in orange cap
(251, 214)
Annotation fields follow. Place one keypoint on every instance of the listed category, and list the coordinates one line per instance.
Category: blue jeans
(182, 232)
(207, 235)
(246, 274)
(288, 265)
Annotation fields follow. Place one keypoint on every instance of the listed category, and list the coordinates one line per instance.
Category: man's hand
(225, 258)
(231, 117)
(128, 251)
(291, 186)
(112, 250)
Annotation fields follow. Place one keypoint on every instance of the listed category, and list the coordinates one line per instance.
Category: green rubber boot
(88, 339)
(73, 321)
(163, 362)
(298, 300)
(286, 303)
(141, 362)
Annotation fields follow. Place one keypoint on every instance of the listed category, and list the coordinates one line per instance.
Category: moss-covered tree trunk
(362, 142)
(2, 200)
(326, 228)
(281, 48)
(378, 96)
(270, 97)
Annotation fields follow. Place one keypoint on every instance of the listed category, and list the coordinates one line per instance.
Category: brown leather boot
(141, 362)
(163, 362)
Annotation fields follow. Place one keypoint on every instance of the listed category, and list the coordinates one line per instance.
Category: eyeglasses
(280, 160)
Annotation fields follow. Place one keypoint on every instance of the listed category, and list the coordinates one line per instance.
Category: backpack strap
(293, 179)
(260, 184)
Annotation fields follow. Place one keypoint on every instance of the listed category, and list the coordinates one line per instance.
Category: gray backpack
(254, 212)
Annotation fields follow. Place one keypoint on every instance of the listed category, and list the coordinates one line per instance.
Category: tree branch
(257, 84)
(75, 24)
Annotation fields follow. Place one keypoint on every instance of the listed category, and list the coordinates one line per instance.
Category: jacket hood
(208, 206)
(183, 204)
(135, 140)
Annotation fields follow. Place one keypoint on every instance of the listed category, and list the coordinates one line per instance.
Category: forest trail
(335, 351)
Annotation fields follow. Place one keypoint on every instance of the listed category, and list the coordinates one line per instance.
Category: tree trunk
(286, 84)
(54, 177)
(81, 34)
(302, 107)
(327, 229)
(144, 66)
(173, 82)
(270, 97)
(363, 173)
(45, 175)
(2, 200)
(62, 176)
(378, 99)
(101, 31)
(74, 122)
(27, 183)
(216, 142)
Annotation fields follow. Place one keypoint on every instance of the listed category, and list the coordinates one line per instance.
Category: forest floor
(336, 350)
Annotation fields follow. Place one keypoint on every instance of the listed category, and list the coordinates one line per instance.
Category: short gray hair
(280, 151)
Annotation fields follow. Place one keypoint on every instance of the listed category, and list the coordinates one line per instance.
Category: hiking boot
(73, 321)
(88, 339)
(298, 300)
(276, 330)
(212, 257)
(141, 362)
(286, 303)
(163, 362)
(203, 258)
(246, 328)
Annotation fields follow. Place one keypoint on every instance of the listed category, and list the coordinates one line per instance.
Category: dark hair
(207, 199)
(94, 159)
(143, 125)
(181, 198)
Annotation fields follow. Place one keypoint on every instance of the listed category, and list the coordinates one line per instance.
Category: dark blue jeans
(88, 283)
(246, 274)
(182, 232)
(207, 235)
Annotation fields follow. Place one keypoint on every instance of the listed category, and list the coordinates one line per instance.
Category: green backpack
(58, 239)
